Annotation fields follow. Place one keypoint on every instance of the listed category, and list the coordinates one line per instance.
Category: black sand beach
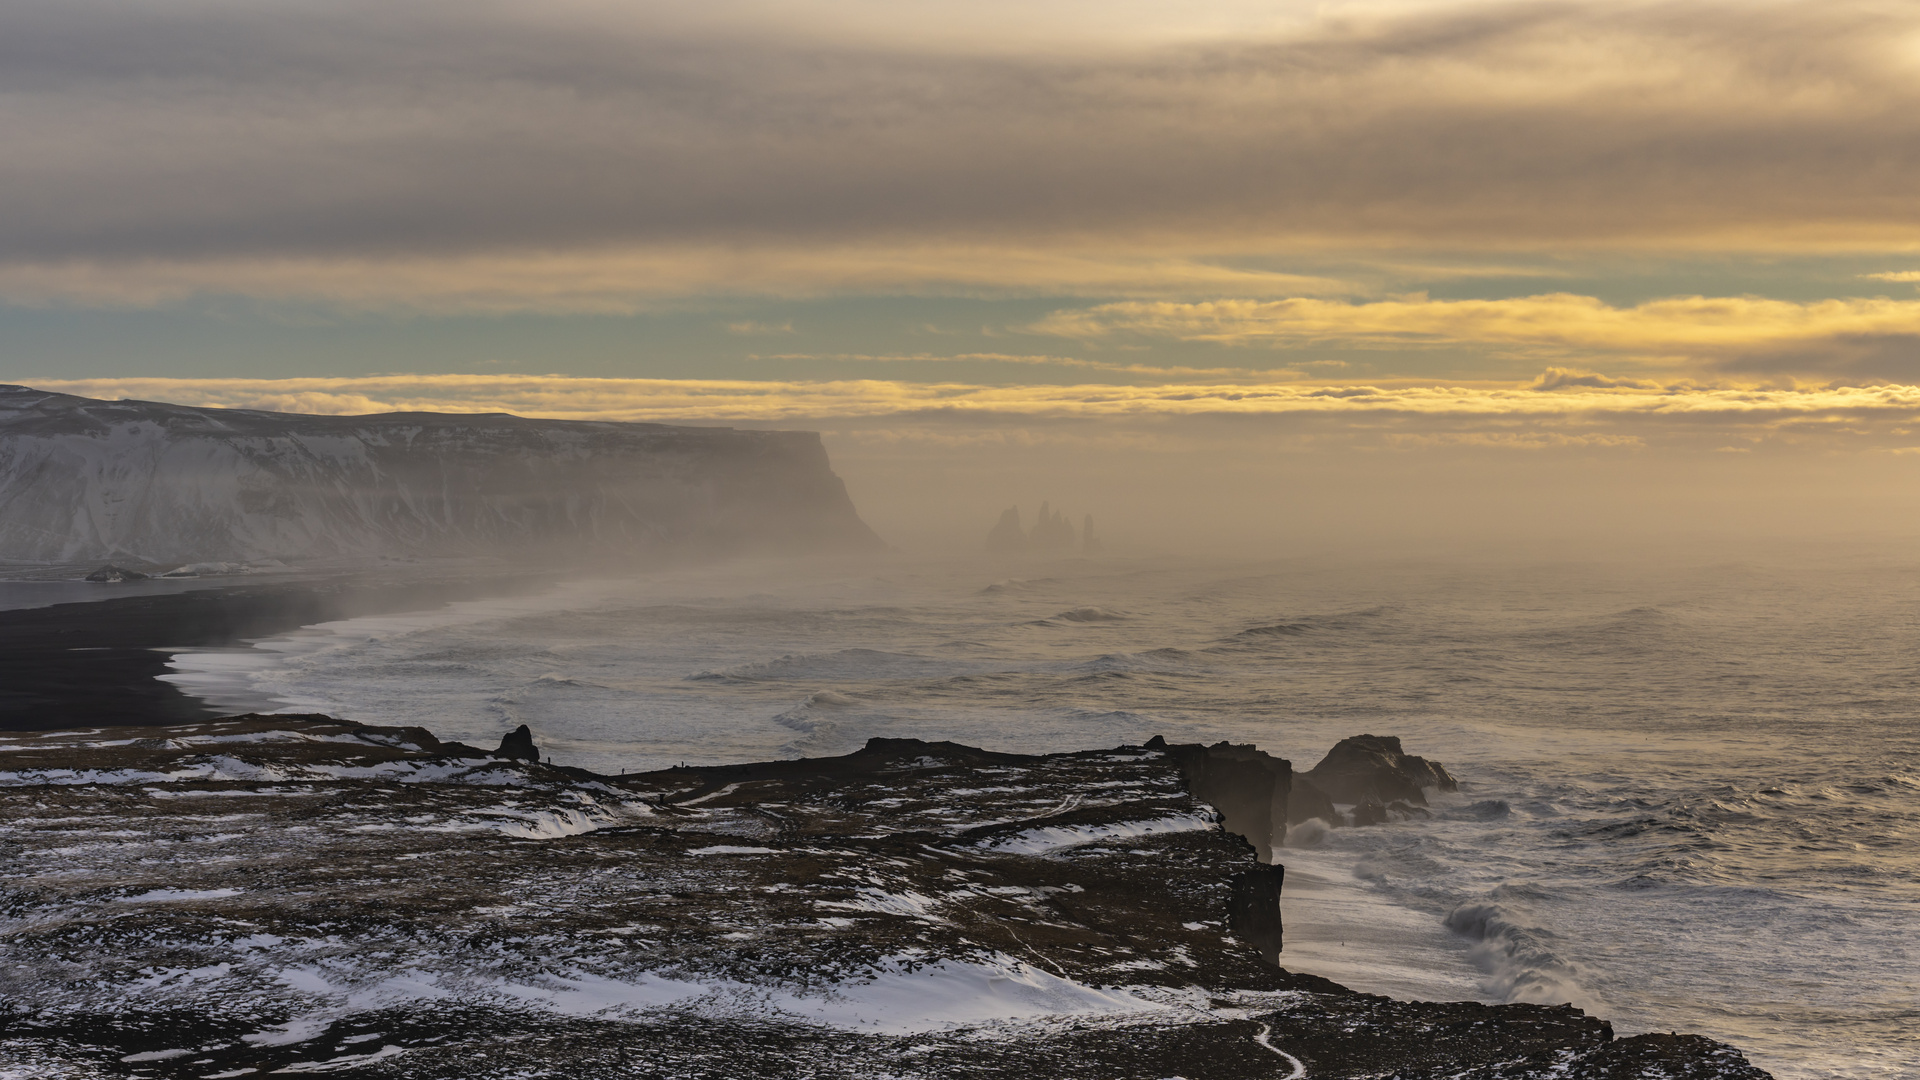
(97, 663)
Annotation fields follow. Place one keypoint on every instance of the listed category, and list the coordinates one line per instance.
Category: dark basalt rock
(111, 572)
(1369, 812)
(1253, 911)
(1250, 787)
(1305, 802)
(459, 914)
(1373, 769)
(518, 743)
(1670, 1057)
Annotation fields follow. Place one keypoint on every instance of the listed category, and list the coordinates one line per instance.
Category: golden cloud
(1046, 360)
(1556, 324)
(1481, 414)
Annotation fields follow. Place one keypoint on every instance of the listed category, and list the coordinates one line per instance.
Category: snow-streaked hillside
(82, 479)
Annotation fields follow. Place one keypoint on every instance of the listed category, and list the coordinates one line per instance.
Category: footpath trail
(1299, 1070)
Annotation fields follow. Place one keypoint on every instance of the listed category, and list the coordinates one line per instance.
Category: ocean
(1690, 794)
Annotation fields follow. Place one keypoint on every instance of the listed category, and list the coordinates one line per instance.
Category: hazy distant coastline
(160, 485)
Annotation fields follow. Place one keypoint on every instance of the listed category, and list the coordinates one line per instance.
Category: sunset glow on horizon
(1662, 229)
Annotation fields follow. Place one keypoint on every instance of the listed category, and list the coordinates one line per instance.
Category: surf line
(1299, 1070)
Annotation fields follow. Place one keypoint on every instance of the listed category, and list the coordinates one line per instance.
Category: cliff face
(82, 479)
(919, 910)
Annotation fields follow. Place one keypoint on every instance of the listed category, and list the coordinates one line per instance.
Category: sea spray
(1727, 787)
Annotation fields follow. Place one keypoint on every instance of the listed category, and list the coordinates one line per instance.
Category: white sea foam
(1708, 764)
(1517, 956)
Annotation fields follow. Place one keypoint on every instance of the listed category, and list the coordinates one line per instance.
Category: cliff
(84, 480)
(919, 910)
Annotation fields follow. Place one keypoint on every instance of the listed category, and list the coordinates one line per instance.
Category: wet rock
(1368, 812)
(518, 743)
(1251, 788)
(1253, 911)
(1671, 1057)
(453, 913)
(1373, 768)
(1306, 802)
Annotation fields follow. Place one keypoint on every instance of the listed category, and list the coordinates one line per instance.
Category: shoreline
(99, 662)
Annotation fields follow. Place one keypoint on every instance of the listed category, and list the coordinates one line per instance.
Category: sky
(1410, 271)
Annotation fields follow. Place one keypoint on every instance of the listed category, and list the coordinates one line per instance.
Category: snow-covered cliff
(82, 479)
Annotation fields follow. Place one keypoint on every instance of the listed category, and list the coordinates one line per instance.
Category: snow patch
(910, 904)
(177, 895)
(1054, 837)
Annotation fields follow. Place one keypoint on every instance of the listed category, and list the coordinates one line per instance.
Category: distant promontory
(83, 480)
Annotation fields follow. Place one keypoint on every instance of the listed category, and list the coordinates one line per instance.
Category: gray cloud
(358, 129)
(1848, 359)
(1559, 378)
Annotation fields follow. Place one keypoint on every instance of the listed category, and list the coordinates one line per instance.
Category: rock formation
(392, 905)
(1007, 536)
(1253, 910)
(1306, 803)
(1376, 777)
(1250, 787)
(1052, 533)
(82, 479)
(518, 743)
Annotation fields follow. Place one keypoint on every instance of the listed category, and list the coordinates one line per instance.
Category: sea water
(1690, 795)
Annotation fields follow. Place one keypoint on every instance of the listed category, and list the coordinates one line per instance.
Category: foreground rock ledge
(300, 894)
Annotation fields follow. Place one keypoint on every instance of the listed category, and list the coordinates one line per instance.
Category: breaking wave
(1519, 957)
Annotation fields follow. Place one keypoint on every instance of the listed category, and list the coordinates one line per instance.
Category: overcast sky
(1627, 232)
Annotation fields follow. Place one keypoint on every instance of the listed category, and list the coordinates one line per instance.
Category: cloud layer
(1562, 409)
(1853, 338)
(581, 154)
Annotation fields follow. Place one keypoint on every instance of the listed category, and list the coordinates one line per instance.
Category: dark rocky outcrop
(1250, 787)
(111, 572)
(1306, 803)
(1094, 872)
(1052, 533)
(1007, 535)
(518, 743)
(1253, 910)
(1373, 769)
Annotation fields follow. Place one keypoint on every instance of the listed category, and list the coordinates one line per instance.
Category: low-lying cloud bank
(1724, 326)
(1561, 408)
(1846, 339)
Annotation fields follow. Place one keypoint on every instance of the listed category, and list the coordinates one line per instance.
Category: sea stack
(518, 743)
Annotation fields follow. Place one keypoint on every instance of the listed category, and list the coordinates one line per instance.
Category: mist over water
(1690, 800)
